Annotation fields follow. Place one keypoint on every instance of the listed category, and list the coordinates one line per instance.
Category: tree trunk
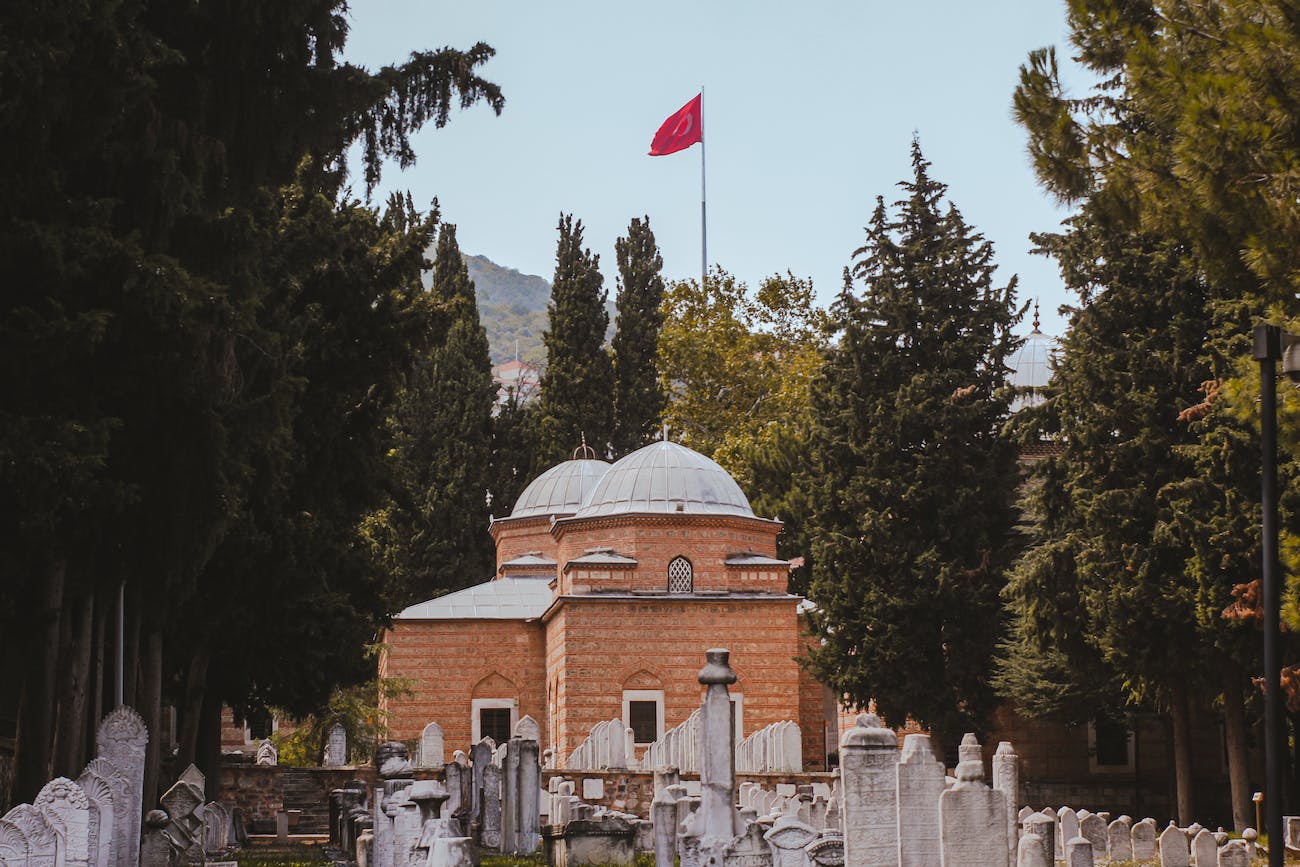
(1183, 755)
(1234, 729)
(209, 748)
(98, 670)
(36, 712)
(70, 730)
(151, 710)
(192, 706)
(131, 668)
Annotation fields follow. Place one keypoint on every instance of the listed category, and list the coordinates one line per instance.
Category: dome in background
(560, 490)
(665, 478)
(1031, 367)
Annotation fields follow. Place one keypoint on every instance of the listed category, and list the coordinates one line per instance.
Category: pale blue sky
(809, 113)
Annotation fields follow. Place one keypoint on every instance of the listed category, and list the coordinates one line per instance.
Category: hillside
(512, 307)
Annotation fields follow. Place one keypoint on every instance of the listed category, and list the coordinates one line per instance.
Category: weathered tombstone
(1041, 828)
(826, 851)
(1030, 854)
(267, 754)
(155, 845)
(749, 849)
(103, 828)
(1006, 779)
(663, 815)
(336, 747)
(1234, 854)
(452, 852)
(717, 752)
(123, 825)
(527, 729)
(42, 843)
(1068, 821)
(1119, 842)
(1078, 852)
(13, 844)
(430, 753)
(869, 783)
(1174, 851)
(1144, 840)
(920, 783)
(454, 805)
(972, 817)
(490, 812)
(1205, 849)
(1251, 837)
(67, 810)
(1024, 813)
(121, 740)
(1093, 827)
(788, 837)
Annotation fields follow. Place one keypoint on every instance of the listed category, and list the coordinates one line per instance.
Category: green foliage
(911, 482)
(639, 398)
(512, 307)
(575, 391)
(357, 709)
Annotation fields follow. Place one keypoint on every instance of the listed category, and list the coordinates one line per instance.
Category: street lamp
(1270, 341)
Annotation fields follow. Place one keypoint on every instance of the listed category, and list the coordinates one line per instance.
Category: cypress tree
(912, 485)
(442, 448)
(579, 378)
(639, 398)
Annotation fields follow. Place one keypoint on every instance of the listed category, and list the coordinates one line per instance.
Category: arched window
(681, 576)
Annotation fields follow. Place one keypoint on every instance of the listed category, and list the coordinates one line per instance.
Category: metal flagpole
(704, 224)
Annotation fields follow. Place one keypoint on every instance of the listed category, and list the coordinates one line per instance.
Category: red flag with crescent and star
(683, 128)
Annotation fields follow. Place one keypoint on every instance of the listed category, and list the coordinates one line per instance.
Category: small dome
(1031, 369)
(560, 490)
(665, 478)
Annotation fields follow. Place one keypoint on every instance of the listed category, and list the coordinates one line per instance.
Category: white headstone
(42, 842)
(121, 740)
(869, 783)
(67, 810)
(528, 729)
(1234, 854)
(1205, 849)
(13, 844)
(1006, 779)
(1068, 821)
(1119, 842)
(117, 783)
(336, 747)
(103, 827)
(1174, 851)
(1078, 852)
(788, 837)
(972, 817)
(1030, 854)
(920, 783)
(1041, 828)
(1144, 840)
(1093, 827)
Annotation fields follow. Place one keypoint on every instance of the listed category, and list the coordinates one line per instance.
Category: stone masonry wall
(632, 791)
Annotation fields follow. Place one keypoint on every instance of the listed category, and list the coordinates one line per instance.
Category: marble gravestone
(1144, 840)
(972, 816)
(1174, 851)
(869, 787)
(1078, 852)
(121, 740)
(432, 753)
(336, 747)
(66, 809)
(920, 783)
(1119, 842)
(1006, 779)
(1093, 827)
(1205, 849)
(103, 827)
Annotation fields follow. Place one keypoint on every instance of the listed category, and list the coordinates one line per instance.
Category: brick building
(611, 582)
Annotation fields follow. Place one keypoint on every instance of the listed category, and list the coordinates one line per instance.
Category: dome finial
(1036, 314)
(665, 431)
(584, 452)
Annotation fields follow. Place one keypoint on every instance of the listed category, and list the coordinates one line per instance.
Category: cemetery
(714, 802)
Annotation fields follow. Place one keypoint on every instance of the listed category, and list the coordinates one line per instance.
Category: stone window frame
(477, 704)
(1095, 768)
(249, 740)
(655, 695)
(681, 558)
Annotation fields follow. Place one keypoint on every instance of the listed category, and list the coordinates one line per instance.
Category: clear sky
(809, 111)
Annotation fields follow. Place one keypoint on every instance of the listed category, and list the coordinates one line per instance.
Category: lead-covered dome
(665, 478)
(1031, 367)
(560, 490)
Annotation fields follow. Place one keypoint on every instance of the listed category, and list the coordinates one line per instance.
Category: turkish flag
(683, 128)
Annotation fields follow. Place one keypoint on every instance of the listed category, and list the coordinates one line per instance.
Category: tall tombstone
(1078, 852)
(717, 753)
(1068, 822)
(663, 815)
(1006, 779)
(920, 783)
(336, 747)
(1205, 849)
(480, 757)
(1093, 827)
(121, 740)
(13, 844)
(1144, 840)
(1119, 842)
(118, 785)
(972, 817)
(490, 809)
(1030, 853)
(432, 752)
(1040, 828)
(529, 789)
(455, 803)
(527, 729)
(103, 826)
(1174, 851)
(869, 785)
(67, 810)
(510, 837)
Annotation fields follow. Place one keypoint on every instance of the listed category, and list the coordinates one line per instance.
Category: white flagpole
(704, 225)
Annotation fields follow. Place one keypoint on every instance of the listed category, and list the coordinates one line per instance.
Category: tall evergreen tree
(435, 530)
(911, 483)
(639, 398)
(579, 379)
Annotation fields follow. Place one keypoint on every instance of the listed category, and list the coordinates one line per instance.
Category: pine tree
(912, 485)
(639, 399)
(442, 449)
(576, 389)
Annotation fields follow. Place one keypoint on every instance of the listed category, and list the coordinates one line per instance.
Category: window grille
(681, 577)
(494, 722)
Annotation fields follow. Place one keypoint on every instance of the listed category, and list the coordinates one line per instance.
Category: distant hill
(512, 307)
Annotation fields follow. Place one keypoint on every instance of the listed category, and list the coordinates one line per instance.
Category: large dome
(664, 478)
(560, 490)
(1031, 368)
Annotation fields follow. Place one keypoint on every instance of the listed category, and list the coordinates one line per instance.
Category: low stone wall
(632, 791)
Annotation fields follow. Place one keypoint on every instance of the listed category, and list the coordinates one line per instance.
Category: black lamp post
(1269, 343)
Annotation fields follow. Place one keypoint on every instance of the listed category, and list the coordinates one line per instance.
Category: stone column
(869, 787)
(920, 783)
(718, 756)
(1006, 779)
(529, 790)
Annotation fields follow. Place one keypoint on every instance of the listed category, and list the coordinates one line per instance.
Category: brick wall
(450, 662)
